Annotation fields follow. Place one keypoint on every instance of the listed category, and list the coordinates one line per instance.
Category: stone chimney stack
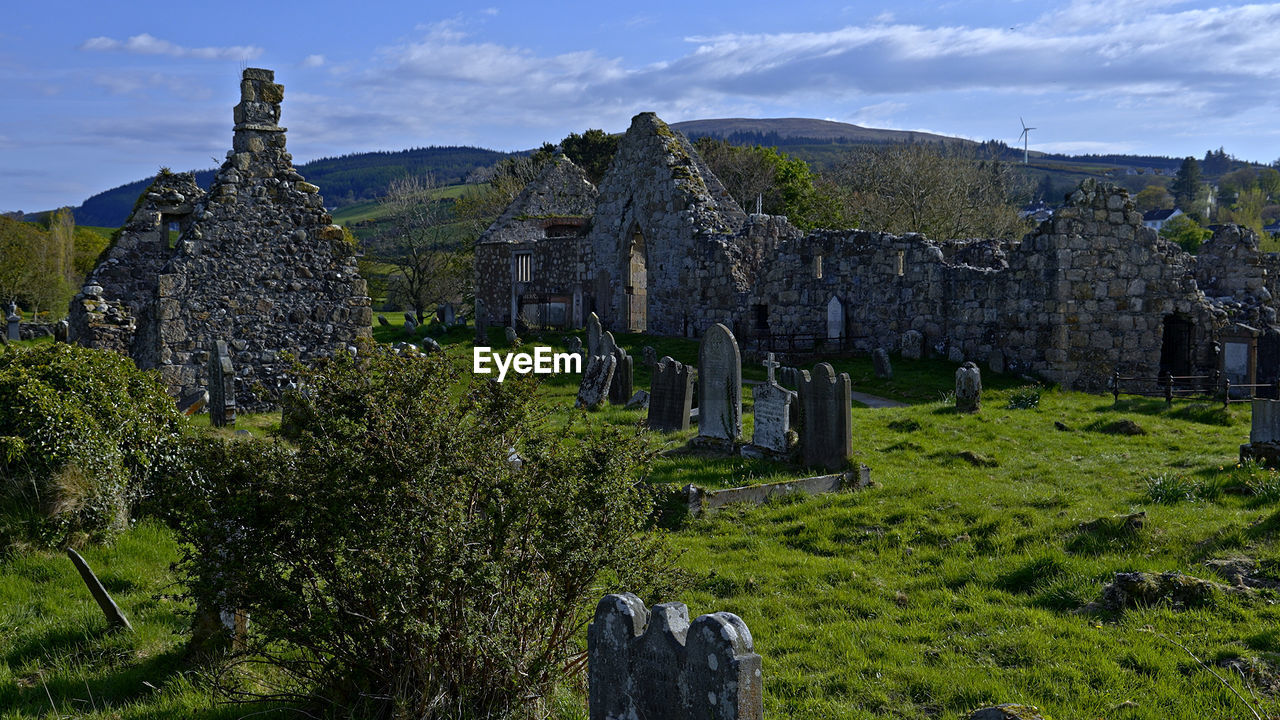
(257, 117)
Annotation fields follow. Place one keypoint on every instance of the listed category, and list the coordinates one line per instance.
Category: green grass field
(957, 581)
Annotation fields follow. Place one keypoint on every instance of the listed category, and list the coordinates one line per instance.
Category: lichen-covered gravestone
(670, 396)
(649, 355)
(880, 361)
(222, 387)
(620, 388)
(593, 335)
(656, 664)
(968, 388)
(827, 435)
(719, 385)
(594, 388)
(574, 344)
(1264, 434)
(512, 337)
(771, 412)
(912, 345)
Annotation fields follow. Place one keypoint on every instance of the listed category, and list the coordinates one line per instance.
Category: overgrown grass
(958, 581)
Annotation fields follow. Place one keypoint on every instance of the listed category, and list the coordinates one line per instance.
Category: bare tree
(945, 193)
(428, 245)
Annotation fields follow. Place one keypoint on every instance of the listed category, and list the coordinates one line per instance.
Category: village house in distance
(660, 247)
(257, 264)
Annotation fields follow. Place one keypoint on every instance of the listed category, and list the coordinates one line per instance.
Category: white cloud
(313, 61)
(146, 44)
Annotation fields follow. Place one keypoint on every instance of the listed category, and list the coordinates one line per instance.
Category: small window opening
(817, 266)
(524, 267)
(901, 259)
(761, 313)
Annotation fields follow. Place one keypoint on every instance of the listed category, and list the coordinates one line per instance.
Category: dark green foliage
(592, 151)
(1186, 232)
(1024, 398)
(81, 433)
(395, 563)
(1186, 184)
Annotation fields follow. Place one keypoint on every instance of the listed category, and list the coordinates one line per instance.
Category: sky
(100, 94)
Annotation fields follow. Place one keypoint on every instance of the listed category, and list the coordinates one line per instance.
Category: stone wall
(257, 264)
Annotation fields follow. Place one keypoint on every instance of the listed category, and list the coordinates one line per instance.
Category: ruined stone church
(255, 262)
(660, 247)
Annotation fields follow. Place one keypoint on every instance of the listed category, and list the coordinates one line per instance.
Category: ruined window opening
(1177, 345)
(761, 313)
(524, 267)
(817, 266)
(171, 228)
(637, 284)
(901, 263)
(561, 231)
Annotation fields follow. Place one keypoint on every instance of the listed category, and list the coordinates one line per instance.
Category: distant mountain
(801, 131)
(343, 180)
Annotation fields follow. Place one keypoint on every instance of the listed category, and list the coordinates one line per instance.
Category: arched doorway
(637, 284)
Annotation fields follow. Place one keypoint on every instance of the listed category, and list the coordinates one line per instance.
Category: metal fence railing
(1171, 387)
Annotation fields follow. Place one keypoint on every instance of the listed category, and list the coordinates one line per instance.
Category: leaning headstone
(222, 387)
(880, 361)
(912, 345)
(430, 345)
(649, 355)
(383, 321)
(639, 401)
(670, 396)
(61, 331)
(593, 335)
(827, 435)
(194, 402)
(574, 344)
(109, 608)
(15, 324)
(620, 389)
(409, 319)
(410, 327)
(719, 385)
(968, 388)
(645, 663)
(772, 412)
(512, 337)
(594, 388)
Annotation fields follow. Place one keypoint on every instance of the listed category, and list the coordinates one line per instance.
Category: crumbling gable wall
(1087, 293)
(258, 264)
(548, 220)
(659, 199)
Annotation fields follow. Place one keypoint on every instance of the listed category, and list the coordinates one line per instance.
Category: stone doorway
(637, 285)
(1177, 345)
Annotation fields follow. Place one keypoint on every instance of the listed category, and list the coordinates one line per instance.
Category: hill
(801, 131)
(344, 180)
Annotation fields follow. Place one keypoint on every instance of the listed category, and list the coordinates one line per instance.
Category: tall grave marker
(670, 396)
(222, 387)
(719, 385)
(827, 436)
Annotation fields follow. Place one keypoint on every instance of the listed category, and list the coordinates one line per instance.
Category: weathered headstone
(772, 412)
(620, 388)
(719, 385)
(639, 401)
(995, 361)
(430, 345)
(594, 388)
(912, 345)
(645, 663)
(649, 355)
(835, 319)
(670, 396)
(789, 377)
(409, 319)
(222, 387)
(109, 607)
(574, 344)
(61, 331)
(1264, 433)
(410, 327)
(482, 324)
(593, 335)
(383, 321)
(512, 337)
(446, 315)
(880, 361)
(968, 388)
(14, 324)
(193, 403)
(827, 435)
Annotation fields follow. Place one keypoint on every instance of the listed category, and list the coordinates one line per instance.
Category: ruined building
(256, 262)
(1087, 293)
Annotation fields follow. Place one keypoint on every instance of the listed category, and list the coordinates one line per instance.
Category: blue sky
(96, 96)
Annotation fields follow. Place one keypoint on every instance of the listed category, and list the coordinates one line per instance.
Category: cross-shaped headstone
(771, 364)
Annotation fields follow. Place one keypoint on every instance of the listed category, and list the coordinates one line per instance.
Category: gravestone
(594, 388)
(593, 335)
(789, 377)
(912, 345)
(512, 337)
(410, 319)
(430, 345)
(880, 361)
(193, 402)
(410, 327)
(968, 388)
(1264, 434)
(14, 324)
(827, 435)
(835, 319)
(620, 389)
(649, 355)
(222, 387)
(574, 344)
(670, 396)
(639, 401)
(100, 594)
(446, 315)
(61, 331)
(382, 320)
(995, 361)
(772, 412)
(655, 664)
(482, 324)
(719, 385)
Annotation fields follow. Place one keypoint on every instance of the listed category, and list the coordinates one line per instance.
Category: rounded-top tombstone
(719, 385)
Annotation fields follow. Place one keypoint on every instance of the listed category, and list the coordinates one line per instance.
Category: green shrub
(396, 563)
(1024, 398)
(81, 433)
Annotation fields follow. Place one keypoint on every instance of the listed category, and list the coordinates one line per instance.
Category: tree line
(42, 264)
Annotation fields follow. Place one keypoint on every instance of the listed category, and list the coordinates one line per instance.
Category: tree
(1246, 210)
(785, 185)
(945, 193)
(1186, 186)
(1269, 182)
(428, 245)
(1184, 231)
(18, 241)
(396, 563)
(592, 151)
(1153, 197)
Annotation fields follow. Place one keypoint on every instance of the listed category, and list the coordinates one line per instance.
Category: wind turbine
(1025, 137)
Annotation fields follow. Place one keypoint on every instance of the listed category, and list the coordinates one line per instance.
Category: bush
(396, 564)
(1024, 398)
(81, 433)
